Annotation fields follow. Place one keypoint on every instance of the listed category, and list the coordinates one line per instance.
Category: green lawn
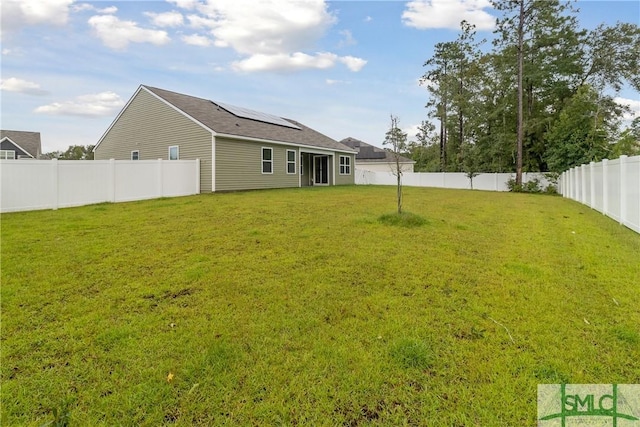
(298, 307)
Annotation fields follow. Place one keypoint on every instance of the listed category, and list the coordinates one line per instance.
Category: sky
(340, 67)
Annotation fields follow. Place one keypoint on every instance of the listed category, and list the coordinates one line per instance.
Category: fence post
(570, 183)
(160, 189)
(592, 185)
(583, 184)
(55, 184)
(623, 189)
(112, 181)
(444, 175)
(198, 176)
(573, 183)
(605, 187)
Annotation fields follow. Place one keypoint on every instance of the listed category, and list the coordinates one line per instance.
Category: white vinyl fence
(483, 181)
(610, 186)
(38, 184)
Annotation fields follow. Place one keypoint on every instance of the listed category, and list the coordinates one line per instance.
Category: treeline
(540, 98)
(74, 152)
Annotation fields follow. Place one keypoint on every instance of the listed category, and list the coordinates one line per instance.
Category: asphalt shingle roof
(29, 141)
(368, 153)
(221, 121)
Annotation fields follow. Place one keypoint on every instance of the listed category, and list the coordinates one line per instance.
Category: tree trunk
(399, 193)
(520, 112)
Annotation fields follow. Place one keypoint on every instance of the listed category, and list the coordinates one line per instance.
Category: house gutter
(308, 148)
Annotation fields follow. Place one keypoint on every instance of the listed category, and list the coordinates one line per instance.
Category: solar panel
(368, 152)
(256, 115)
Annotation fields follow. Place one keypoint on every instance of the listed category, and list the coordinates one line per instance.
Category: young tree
(396, 141)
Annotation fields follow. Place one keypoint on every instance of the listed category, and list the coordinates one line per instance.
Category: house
(376, 159)
(238, 148)
(17, 144)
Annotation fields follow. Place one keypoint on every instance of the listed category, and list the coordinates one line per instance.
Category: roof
(27, 141)
(215, 117)
(368, 153)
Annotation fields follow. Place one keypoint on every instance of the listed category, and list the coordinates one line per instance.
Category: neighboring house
(17, 144)
(239, 149)
(376, 159)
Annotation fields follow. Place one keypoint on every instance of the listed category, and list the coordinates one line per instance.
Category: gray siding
(8, 145)
(344, 179)
(151, 126)
(239, 166)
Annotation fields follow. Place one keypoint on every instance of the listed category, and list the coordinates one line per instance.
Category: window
(174, 152)
(345, 165)
(291, 161)
(267, 160)
(135, 155)
(7, 154)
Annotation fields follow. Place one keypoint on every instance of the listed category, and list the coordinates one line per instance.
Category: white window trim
(138, 154)
(3, 154)
(177, 147)
(295, 163)
(346, 165)
(262, 160)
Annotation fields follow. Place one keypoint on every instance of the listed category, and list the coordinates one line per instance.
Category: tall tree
(424, 149)
(396, 142)
(535, 29)
(439, 82)
(580, 134)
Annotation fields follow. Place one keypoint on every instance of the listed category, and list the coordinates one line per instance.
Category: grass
(291, 307)
(404, 219)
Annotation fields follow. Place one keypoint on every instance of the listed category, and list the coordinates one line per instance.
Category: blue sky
(340, 67)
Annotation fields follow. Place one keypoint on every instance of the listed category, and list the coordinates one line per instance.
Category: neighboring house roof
(29, 142)
(368, 153)
(216, 118)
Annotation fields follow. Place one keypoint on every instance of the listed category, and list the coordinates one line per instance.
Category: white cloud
(18, 13)
(411, 131)
(423, 14)
(368, 19)
(348, 39)
(271, 35)
(196, 40)
(633, 104)
(166, 19)
(285, 62)
(14, 84)
(332, 82)
(268, 26)
(297, 61)
(185, 4)
(353, 63)
(117, 34)
(92, 105)
(197, 21)
(82, 7)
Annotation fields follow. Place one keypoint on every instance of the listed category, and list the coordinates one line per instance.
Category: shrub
(532, 186)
